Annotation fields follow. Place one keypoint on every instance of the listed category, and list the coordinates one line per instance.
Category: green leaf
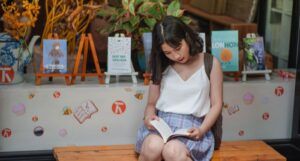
(107, 11)
(173, 7)
(144, 8)
(144, 29)
(186, 19)
(131, 7)
(138, 2)
(125, 4)
(134, 20)
(127, 27)
(150, 22)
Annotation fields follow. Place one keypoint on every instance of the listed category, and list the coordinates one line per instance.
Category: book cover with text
(224, 46)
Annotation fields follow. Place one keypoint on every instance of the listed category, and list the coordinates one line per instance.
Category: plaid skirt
(200, 150)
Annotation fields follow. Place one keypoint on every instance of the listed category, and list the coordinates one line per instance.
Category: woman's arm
(216, 100)
(150, 111)
(216, 96)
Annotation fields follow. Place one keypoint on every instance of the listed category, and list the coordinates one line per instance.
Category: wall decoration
(34, 118)
(118, 107)
(139, 94)
(6, 74)
(19, 109)
(56, 94)
(248, 98)
(279, 91)
(266, 116)
(241, 133)
(265, 100)
(6, 133)
(62, 132)
(225, 105)
(104, 129)
(67, 110)
(38, 131)
(233, 109)
(31, 95)
(85, 110)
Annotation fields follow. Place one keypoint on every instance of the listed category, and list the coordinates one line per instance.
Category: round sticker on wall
(34, 118)
(6, 133)
(266, 116)
(62, 132)
(104, 129)
(279, 91)
(248, 98)
(118, 107)
(241, 133)
(56, 94)
(19, 109)
(38, 131)
(6, 74)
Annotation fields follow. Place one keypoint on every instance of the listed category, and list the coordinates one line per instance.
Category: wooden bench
(229, 151)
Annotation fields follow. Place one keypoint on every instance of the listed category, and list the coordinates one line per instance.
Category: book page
(163, 128)
(181, 132)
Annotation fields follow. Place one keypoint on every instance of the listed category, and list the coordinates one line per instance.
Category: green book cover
(224, 46)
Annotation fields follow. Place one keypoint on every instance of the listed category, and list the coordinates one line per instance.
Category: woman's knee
(152, 146)
(175, 150)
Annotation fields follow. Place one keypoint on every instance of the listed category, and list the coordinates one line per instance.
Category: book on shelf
(55, 55)
(254, 54)
(225, 48)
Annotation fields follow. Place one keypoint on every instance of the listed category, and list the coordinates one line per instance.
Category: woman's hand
(196, 133)
(147, 120)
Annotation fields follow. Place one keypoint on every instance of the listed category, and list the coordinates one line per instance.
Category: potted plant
(18, 17)
(135, 17)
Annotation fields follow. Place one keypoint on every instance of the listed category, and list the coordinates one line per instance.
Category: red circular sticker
(6, 132)
(34, 118)
(118, 107)
(266, 116)
(56, 94)
(6, 74)
(279, 91)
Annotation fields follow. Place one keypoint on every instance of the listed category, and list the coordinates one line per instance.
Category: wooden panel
(229, 151)
(246, 151)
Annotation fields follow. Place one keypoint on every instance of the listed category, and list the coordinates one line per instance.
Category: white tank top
(189, 96)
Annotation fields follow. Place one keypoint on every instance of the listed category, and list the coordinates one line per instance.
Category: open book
(165, 131)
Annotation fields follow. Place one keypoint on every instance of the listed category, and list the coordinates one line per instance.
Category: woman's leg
(175, 150)
(152, 148)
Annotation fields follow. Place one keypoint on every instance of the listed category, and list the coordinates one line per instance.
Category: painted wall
(42, 117)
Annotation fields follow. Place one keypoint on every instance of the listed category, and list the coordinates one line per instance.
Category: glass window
(278, 30)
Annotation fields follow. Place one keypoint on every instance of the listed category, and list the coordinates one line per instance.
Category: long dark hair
(170, 30)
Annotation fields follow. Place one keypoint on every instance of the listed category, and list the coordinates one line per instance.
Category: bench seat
(229, 151)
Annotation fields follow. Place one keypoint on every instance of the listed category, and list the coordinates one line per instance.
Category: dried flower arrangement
(19, 16)
(69, 19)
